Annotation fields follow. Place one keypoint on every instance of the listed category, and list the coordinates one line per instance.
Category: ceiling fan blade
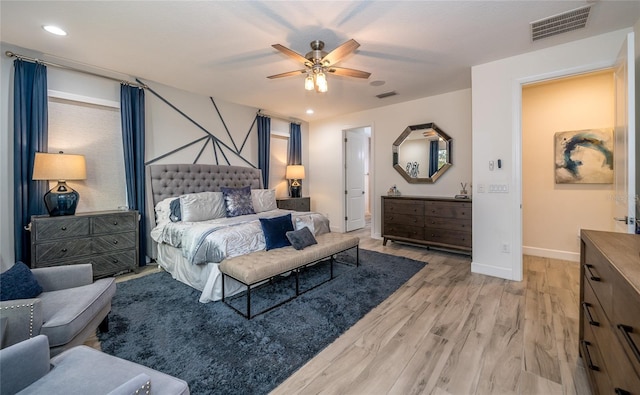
(291, 53)
(288, 74)
(340, 52)
(348, 72)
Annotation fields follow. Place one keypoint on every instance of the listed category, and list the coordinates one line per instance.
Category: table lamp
(61, 199)
(295, 173)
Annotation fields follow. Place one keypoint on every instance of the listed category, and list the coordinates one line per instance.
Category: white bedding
(190, 251)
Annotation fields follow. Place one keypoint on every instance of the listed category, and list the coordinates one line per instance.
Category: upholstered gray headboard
(165, 181)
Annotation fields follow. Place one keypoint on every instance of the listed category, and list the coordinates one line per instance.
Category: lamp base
(295, 191)
(61, 200)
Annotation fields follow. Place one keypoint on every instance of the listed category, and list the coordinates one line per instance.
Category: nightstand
(106, 239)
(296, 204)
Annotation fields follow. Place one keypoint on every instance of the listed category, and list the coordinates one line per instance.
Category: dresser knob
(115, 222)
(114, 261)
(64, 250)
(63, 228)
(115, 242)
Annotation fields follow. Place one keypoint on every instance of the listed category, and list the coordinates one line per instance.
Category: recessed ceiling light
(54, 30)
(377, 83)
(309, 111)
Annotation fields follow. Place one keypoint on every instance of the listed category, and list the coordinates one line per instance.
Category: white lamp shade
(295, 172)
(59, 167)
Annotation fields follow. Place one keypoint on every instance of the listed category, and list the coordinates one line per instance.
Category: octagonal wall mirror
(422, 153)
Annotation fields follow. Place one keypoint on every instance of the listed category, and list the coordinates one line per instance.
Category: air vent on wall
(386, 94)
(561, 23)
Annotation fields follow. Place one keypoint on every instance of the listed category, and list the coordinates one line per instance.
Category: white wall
(496, 108)
(450, 111)
(553, 214)
(165, 129)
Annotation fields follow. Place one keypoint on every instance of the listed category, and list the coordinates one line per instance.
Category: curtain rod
(280, 117)
(60, 66)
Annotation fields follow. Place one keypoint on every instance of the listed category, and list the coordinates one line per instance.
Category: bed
(194, 223)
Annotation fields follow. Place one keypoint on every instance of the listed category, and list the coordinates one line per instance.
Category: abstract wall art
(584, 157)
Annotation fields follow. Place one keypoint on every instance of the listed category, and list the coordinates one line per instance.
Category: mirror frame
(403, 136)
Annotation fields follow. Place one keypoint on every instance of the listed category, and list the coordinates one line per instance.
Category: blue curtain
(294, 155)
(30, 128)
(264, 149)
(433, 157)
(132, 115)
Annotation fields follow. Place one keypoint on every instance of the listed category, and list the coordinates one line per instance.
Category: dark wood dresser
(106, 239)
(610, 311)
(429, 221)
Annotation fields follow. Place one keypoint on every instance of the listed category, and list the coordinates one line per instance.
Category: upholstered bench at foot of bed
(259, 266)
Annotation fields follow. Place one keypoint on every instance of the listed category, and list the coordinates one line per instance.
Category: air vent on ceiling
(386, 94)
(561, 23)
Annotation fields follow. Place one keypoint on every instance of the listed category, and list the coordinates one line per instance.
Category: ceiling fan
(318, 62)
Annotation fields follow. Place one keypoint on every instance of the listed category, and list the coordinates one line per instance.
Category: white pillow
(263, 200)
(202, 206)
(163, 210)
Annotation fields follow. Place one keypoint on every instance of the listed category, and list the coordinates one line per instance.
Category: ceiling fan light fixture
(308, 83)
(321, 82)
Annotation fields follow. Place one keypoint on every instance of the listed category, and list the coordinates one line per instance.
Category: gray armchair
(26, 368)
(68, 311)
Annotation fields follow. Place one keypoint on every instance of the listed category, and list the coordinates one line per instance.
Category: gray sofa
(26, 369)
(68, 311)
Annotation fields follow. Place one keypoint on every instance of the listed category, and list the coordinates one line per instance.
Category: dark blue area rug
(158, 322)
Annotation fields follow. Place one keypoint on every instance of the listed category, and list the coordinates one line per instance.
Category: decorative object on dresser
(295, 173)
(106, 239)
(430, 221)
(296, 204)
(610, 311)
(61, 199)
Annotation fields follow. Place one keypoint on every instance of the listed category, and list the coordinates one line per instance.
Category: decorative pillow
(202, 206)
(163, 210)
(275, 231)
(238, 201)
(301, 238)
(263, 200)
(18, 283)
(175, 212)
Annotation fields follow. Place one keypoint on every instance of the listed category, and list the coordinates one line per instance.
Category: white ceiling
(223, 48)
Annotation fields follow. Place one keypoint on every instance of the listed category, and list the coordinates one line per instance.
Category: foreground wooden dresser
(610, 311)
(106, 239)
(429, 221)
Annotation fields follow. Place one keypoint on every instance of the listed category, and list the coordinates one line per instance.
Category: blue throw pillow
(275, 231)
(18, 283)
(238, 201)
(176, 213)
(301, 238)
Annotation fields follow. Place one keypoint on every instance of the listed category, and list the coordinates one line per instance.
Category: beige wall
(552, 214)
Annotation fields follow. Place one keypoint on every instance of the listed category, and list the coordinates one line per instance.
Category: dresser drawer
(403, 206)
(118, 241)
(114, 223)
(60, 228)
(463, 225)
(404, 219)
(598, 273)
(594, 364)
(107, 265)
(448, 210)
(405, 231)
(451, 237)
(626, 322)
(61, 249)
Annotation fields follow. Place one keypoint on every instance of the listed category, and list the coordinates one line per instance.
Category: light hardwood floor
(448, 331)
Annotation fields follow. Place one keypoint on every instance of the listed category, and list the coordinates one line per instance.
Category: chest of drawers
(106, 239)
(435, 222)
(609, 337)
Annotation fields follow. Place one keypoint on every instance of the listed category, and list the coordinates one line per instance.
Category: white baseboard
(553, 254)
(494, 271)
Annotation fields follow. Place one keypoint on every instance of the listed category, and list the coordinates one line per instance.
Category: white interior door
(355, 144)
(624, 135)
